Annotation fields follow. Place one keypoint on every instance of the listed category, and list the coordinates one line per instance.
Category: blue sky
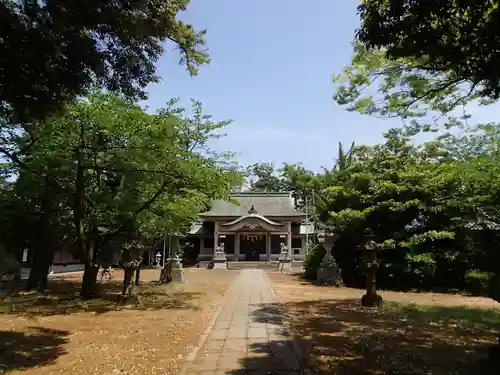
(271, 68)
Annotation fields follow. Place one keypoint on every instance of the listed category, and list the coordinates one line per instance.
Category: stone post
(175, 261)
(329, 273)
(371, 298)
(285, 260)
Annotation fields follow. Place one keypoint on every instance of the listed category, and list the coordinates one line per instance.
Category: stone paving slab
(248, 336)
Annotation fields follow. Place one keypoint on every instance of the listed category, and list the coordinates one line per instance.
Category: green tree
(433, 209)
(121, 172)
(54, 51)
(458, 39)
(424, 99)
(264, 177)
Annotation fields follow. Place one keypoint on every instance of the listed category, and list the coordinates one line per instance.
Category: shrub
(312, 261)
(476, 282)
(494, 287)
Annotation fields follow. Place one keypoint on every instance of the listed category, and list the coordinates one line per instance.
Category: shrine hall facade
(254, 227)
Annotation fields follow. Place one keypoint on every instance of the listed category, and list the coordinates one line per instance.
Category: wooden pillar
(289, 237)
(268, 245)
(216, 236)
(237, 245)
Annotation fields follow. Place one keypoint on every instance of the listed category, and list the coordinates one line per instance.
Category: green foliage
(433, 209)
(62, 49)
(376, 85)
(453, 38)
(265, 177)
(477, 282)
(296, 179)
(103, 171)
(313, 261)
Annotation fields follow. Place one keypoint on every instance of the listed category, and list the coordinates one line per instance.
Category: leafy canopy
(53, 51)
(122, 171)
(458, 39)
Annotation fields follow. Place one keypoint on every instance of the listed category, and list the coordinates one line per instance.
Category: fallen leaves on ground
(414, 333)
(52, 334)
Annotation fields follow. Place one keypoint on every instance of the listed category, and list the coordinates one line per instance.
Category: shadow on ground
(340, 337)
(37, 347)
(62, 297)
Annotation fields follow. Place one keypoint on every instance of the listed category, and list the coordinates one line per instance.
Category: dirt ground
(57, 333)
(414, 333)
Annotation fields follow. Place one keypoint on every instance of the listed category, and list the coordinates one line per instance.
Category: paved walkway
(248, 336)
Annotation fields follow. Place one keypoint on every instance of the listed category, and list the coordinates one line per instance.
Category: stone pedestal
(177, 270)
(329, 273)
(220, 260)
(371, 300)
(284, 261)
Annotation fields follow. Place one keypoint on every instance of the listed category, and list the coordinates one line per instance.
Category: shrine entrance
(252, 245)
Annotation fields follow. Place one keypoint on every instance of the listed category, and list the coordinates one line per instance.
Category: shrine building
(252, 228)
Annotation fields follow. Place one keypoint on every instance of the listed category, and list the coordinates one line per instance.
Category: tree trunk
(137, 276)
(39, 273)
(89, 281)
(166, 273)
(47, 242)
(44, 270)
(128, 284)
(35, 273)
(128, 295)
(36, 266)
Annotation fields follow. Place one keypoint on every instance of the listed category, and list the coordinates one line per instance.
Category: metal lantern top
(321, 234)
(370, 245)
(325, 237)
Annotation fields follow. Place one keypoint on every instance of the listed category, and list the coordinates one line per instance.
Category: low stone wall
(55, 269)
(263, 257)
(63, 268)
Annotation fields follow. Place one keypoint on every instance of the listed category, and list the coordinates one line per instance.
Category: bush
(312, 261)
(477, 282)
(494, 287)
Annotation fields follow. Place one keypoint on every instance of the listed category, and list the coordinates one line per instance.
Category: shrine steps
(263, 265)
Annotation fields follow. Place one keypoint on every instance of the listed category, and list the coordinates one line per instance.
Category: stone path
(248, 336)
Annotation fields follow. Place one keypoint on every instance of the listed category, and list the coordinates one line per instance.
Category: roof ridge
(265, 193)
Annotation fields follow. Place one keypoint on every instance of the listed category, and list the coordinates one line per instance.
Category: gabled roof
(253, 216)
(264, 203)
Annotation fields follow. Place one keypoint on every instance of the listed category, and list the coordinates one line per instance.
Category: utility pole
(314, 223)
(307, 226)
(164, 246)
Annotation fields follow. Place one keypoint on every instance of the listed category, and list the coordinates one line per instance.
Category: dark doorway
(252, 245)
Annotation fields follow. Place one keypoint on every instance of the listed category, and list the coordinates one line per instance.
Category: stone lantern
(158, 259)
(328, 272)
(219, 259)
(175, 261)
(371, 298)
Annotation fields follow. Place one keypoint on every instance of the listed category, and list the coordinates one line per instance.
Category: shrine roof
(264, 203)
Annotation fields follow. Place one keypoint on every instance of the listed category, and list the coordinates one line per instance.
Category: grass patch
(460, 315)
